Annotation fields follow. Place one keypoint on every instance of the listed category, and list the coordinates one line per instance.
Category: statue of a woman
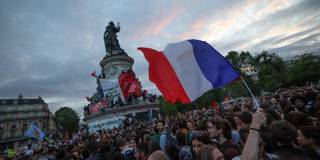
(110, 37)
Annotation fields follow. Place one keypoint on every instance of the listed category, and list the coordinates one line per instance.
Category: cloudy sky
(49, 48)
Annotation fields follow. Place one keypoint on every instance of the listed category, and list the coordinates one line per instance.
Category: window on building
(44, 126)
(13, 131)
(24, 128)
(20, 108)
(8, 116)
(9, 108)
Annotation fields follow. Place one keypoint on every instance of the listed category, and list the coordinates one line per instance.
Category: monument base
(113, 117)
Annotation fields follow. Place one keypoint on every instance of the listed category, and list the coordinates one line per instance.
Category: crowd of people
(285, 126)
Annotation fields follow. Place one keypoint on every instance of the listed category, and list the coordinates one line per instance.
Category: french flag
(185, 70)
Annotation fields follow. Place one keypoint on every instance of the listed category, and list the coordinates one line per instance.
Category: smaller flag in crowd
(135, 89)
(94, 74)
(129, 84)
(105, 102)
(35, 132)
(96, 107)
(214, 104)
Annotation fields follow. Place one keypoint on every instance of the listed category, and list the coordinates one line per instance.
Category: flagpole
(197, 107)
(254, 99)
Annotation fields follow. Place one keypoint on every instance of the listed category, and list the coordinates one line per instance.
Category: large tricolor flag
(183, 71)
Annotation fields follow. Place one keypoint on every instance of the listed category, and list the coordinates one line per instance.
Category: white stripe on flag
(181, 57)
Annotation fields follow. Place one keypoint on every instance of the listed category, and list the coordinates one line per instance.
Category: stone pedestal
(113, 64)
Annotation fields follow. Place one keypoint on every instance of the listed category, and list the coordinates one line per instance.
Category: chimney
(20, 96)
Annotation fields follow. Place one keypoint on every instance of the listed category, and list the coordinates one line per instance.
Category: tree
(244, 63)
(68, 119)
(205, 100)
(271, 70)
(304, 68)
(167, 108)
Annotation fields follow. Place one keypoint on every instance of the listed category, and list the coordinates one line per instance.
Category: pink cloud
(158, 24)
(194, 30)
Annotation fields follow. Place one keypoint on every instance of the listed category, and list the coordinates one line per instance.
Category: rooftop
(21, 100)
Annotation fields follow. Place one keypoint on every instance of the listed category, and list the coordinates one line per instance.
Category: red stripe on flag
(163, 75)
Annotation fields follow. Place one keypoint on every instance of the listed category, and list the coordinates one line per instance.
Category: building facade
(16, 115)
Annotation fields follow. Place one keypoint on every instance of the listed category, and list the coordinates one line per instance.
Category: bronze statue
(110, 38)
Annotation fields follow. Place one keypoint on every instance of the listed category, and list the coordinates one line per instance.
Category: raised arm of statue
(110, 38)
(118, 27)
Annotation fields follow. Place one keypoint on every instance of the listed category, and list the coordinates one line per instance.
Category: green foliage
(68, 119)
(304, 68)
(212, 95)
(245, 64)
(270, 70)
(167, 109)
(240, 61)
(183, 107)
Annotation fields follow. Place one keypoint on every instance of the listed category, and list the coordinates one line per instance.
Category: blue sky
(49, 48)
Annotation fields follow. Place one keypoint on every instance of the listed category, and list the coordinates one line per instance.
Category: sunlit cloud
(159, 23)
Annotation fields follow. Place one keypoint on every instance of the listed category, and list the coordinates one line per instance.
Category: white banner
(112, 89)
(107, 123)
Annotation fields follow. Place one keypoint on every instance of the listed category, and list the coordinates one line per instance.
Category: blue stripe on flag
(213, 65)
